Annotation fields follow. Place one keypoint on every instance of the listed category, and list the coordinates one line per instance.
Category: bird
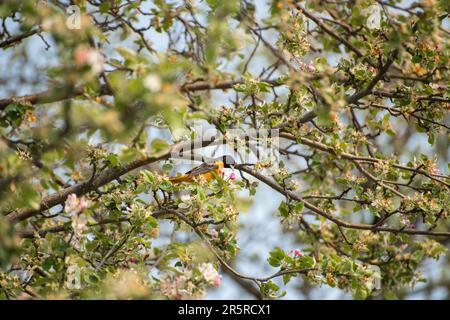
(205, 170)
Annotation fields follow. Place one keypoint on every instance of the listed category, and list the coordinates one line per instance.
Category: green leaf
(417, 255)
(152, 221)
(104, 7)
(48, 263)
(390, 295)
(166, 186)
(307, 262)
(148, 176)
(113, 159)
(276, 256)
(416, 59)
(430, 137)
(141, 188)
(284, 209)
(286, 278)
(166, 168)
(159, 145)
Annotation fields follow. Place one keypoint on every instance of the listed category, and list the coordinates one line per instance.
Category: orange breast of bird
(209, 176)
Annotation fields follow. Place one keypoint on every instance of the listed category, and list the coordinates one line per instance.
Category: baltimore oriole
(205, 170)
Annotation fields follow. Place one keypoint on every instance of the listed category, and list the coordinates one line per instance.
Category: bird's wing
(201, 169)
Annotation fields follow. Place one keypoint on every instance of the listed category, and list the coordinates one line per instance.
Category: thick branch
(48, 96)
(96, 182)
(58, 94)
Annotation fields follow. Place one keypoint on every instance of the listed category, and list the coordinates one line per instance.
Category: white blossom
(153, 82)
(79, 223)
(74, 204)
(210, 274)
(96, 61)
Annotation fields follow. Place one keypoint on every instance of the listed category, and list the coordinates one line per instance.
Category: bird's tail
(180, 179)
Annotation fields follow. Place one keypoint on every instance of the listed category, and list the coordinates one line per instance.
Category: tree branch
(18, 38)
(97, 181)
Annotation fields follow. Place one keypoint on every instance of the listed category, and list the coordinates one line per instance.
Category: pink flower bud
(296, 252)
(217, 280)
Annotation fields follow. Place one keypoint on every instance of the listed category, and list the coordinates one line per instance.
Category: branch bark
(18, 38)
(60, 94)
(96, 182)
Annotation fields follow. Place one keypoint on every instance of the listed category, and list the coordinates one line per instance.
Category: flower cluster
(179, 286)
(89, 56)
(190, 283)
(210, 274)
(74, 204)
